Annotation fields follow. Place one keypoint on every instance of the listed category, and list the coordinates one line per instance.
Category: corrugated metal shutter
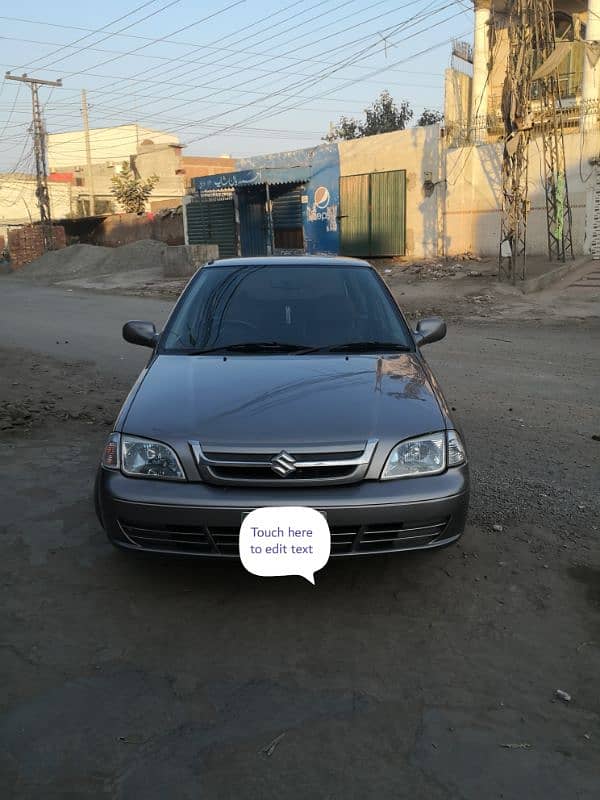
(354, 207)
(286, 212)
(212, 221)
(388, 222)
(373, 216)
(287, 206)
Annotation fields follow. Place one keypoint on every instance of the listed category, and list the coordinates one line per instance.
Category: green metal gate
(211, 220)
(354, 207)
(373, 214)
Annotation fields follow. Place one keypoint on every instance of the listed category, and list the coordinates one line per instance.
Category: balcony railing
(490, 128)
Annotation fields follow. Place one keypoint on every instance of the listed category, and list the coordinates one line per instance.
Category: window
(300, 305)
(570, 70)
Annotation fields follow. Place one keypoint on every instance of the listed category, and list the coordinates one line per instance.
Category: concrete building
(474, 130)
(148, 152)
(106, 144)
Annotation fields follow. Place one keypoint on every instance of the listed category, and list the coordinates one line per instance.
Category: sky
(227, 76)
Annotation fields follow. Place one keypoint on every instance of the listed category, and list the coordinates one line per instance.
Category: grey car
(292, 381)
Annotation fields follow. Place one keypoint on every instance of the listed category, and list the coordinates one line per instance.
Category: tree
(383, 116)
(131, 192)
(430, 117)
(347, 128)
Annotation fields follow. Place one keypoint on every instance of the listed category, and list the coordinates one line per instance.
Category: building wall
(165, 162)
(120, 229)
(200, 166)
(107, 144)
(474, 193)
(18, 202)
(457, 101)
(416, 150)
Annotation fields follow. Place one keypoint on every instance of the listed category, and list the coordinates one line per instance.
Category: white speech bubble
(286, 540)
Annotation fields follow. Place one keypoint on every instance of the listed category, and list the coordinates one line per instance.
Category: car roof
(291, 261)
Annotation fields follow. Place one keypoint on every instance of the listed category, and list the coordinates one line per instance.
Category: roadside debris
(565, 696)
(435, 270)
(270, 748)
(584, 644)
(497, 528)
(517, 746)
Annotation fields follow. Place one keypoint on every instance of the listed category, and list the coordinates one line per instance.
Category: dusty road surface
(427, 677)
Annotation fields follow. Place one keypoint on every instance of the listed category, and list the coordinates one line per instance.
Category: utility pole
(518, 123)
(39, 147)
(532, 40)
(558, 208)
(88, 151)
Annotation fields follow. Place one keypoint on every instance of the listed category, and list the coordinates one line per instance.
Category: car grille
(224, 541)
(300, 466)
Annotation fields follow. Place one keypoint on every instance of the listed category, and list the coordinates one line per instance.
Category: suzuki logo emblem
(283, 464)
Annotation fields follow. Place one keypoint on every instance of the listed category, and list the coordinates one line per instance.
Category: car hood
(284, 400)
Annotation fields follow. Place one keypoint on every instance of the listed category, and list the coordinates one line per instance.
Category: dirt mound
(42, 391)
(86, 260)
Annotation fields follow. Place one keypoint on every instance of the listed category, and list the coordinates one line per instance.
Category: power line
(12, 110)
(280, 91)
(218, 45)
(318, 77)
(159, 39)
(103, 28)
(233, 67)
(155, 56)
(311, 76)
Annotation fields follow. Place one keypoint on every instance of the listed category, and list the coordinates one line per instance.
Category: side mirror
(137, 332)
(429, 330)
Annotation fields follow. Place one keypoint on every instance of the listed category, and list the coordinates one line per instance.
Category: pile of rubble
(42, 394)
(437, 270)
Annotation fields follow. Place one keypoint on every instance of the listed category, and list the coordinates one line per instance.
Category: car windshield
(285, 308)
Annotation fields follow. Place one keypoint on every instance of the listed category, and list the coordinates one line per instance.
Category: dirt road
(425, 677)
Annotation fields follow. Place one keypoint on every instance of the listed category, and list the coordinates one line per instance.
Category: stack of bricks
(27, 243)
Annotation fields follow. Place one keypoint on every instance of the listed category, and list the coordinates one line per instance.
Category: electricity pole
(88, 151)
(39, 148)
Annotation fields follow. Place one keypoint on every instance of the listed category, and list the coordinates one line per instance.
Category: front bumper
(203, 520)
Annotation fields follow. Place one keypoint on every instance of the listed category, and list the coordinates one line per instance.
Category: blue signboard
(322, 226)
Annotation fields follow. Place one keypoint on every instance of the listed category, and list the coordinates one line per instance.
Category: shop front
(284, 204)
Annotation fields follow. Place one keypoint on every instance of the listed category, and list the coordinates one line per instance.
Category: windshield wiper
(359, 347)
(249, 347)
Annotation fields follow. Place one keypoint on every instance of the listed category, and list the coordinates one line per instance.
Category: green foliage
(384, 116)
(430, 117)
(132, 192)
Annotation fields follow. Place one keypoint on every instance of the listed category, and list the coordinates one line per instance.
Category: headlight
(423, 456)
(149, 459)
(426, 455)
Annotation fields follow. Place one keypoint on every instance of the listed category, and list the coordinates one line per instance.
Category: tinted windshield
(284, 307)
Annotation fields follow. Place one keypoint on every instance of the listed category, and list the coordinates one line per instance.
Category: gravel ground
(426, 676)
